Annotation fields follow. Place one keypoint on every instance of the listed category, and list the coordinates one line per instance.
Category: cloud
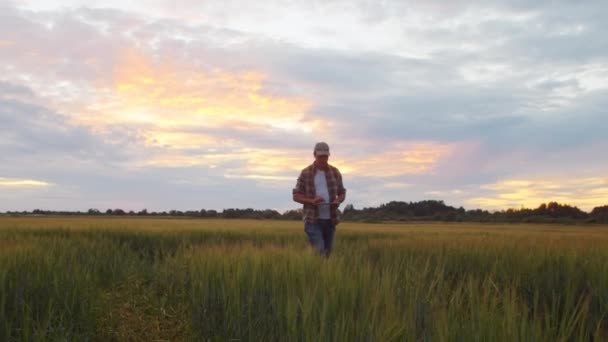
(10, 90)
(387, 96)
(22, 183)
(31, 129)
(399, 159)
(181, 96)
(585, 193)
(416, 99)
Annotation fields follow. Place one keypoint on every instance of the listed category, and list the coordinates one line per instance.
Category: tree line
(231, 213)
(433, 210)
(428, 210)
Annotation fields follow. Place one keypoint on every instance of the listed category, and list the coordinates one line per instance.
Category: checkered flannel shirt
(306, 186)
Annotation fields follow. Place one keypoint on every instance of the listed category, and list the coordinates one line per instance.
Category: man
(320, 190)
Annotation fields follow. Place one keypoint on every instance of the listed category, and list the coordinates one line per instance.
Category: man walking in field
(320, 190)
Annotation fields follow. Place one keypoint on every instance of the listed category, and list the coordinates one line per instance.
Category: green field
(136, 279)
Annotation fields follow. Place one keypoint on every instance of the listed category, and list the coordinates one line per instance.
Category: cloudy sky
(188, 104)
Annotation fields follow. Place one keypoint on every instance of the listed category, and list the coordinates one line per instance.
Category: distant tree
(392, 211)
(270, 214)
(603, 210)
(292, 214)
(557, 210)
(208, 213)
(176, 213)
(599, 214)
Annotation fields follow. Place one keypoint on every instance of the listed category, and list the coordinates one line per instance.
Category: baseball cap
(322, 149)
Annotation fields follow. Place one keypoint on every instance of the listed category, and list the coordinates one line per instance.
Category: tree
(600, 214)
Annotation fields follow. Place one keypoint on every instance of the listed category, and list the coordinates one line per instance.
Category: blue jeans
(321, 235)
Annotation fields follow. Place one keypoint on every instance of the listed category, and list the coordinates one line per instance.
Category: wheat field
(152, 279)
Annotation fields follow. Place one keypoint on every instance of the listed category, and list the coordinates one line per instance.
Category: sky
(187, 104)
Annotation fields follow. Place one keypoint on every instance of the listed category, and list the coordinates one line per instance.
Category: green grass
(172, 279)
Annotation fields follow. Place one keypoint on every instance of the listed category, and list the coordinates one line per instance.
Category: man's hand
(317, 200)
(300, 198)
(339, 199)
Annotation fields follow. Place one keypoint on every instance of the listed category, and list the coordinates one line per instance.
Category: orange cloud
(403, 159)
(585, 193)
(6, 43)
(282, 164)
(167, 102)
(171, 96)
(256, 163)
(415, 158)
(22, 183)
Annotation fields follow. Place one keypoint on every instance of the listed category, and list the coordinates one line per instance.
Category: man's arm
(301, 198)
(341, 190)
(340, 198)
(298, 193)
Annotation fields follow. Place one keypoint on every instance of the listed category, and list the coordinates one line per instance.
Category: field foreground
(135, 279)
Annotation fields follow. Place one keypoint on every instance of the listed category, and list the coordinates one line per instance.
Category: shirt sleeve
(341, 189)
(299, 189)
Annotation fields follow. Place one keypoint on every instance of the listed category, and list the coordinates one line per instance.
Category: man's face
(321, 160)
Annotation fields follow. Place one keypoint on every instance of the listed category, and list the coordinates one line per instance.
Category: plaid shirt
(306, 186)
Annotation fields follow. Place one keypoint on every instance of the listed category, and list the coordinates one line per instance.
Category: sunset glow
(200, 105)
(21, 183)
